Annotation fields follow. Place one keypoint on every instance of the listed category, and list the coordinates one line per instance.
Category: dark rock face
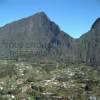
(96, 24)
(90, 45)
(34, 37)
(38, 38)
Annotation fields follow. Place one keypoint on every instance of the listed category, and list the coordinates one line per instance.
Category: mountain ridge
(44, 14)
(37, 37)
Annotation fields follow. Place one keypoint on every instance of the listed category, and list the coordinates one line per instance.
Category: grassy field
(48, 81)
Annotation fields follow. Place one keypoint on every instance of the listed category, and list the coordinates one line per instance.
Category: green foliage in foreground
(32, 81)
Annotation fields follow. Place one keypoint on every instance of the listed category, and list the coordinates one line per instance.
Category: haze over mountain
(38, 38)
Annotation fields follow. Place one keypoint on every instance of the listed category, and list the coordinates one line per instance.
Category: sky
(75, 17)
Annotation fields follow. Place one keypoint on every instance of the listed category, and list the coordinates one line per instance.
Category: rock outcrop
(38, 38)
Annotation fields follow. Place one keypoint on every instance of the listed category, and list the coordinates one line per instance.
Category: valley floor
(34, 81)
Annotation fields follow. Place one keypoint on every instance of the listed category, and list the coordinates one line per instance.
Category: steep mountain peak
(96, 24)
(41, 15)
(38, 38)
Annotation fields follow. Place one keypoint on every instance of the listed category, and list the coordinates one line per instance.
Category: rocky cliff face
(90, 45)
(38, 38)
(34, 37)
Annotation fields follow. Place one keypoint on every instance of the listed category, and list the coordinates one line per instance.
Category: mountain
(34, 37)
(37, 38)
(90, 45)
